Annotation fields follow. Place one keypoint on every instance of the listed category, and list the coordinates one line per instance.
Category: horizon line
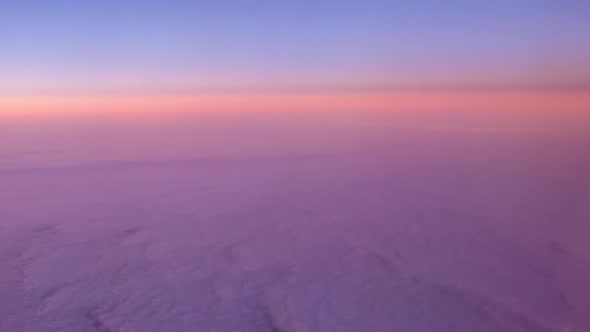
(306, 89)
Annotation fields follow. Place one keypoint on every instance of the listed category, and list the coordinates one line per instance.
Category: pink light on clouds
(371, 101)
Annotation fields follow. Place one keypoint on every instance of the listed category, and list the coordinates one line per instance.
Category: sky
(170, 47)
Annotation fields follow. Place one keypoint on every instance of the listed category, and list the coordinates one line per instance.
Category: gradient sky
(66, 47)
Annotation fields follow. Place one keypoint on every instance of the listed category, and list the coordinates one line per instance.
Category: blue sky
(182, 45)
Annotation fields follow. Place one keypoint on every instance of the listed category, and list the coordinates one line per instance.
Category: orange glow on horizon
(370, 101)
